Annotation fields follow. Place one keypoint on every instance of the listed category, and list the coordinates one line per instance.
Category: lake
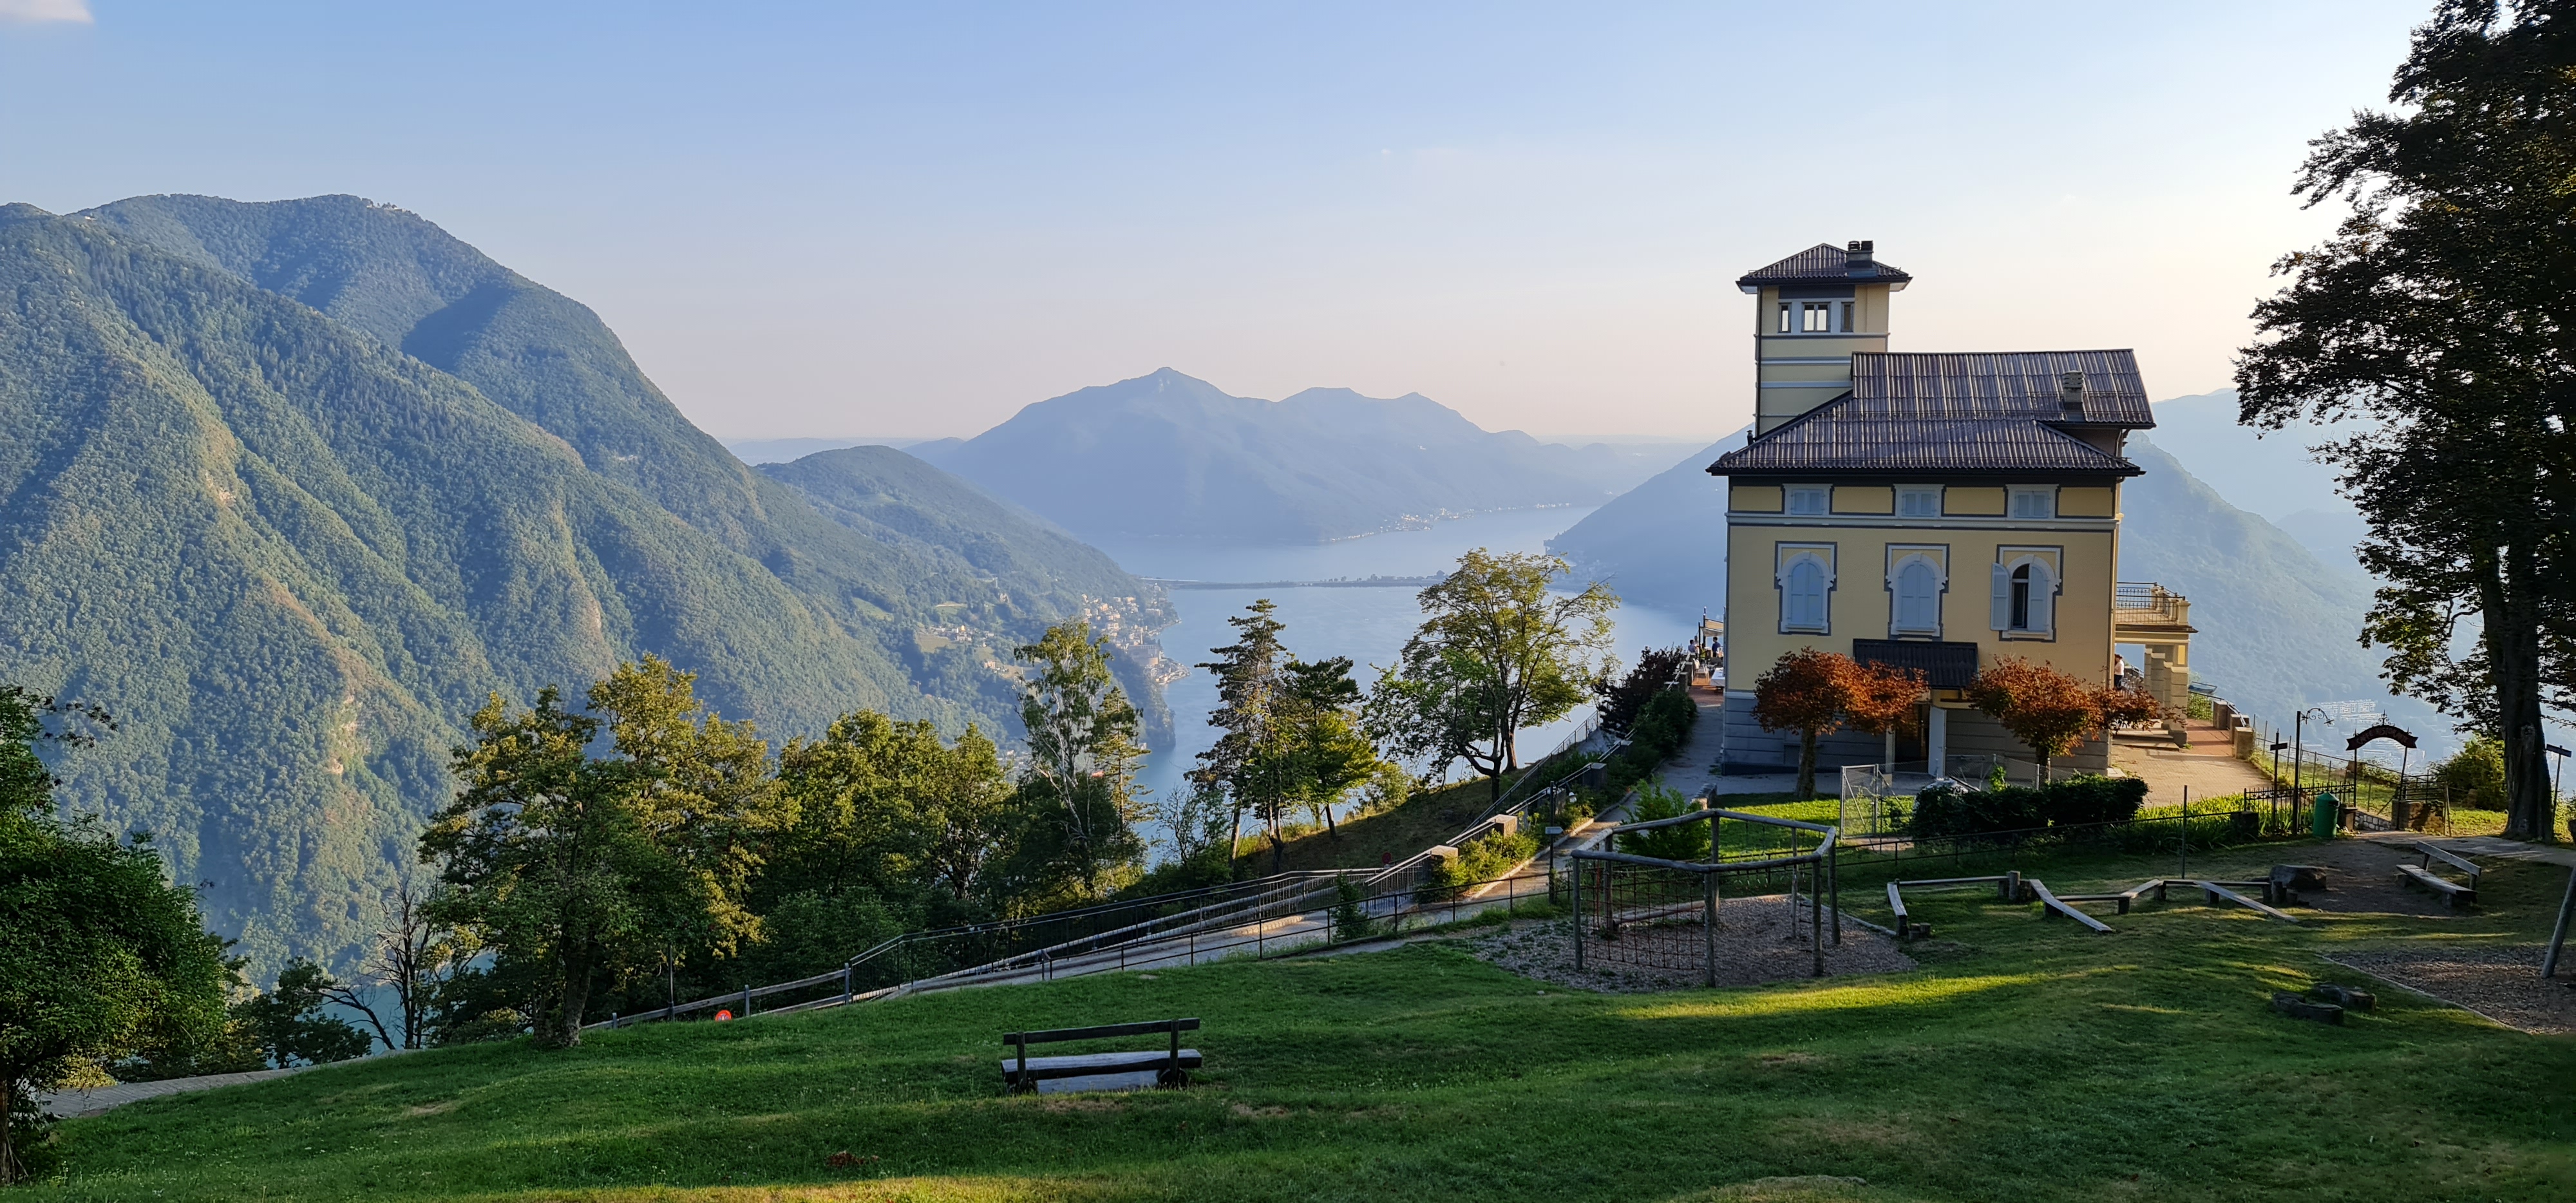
(1369, 625)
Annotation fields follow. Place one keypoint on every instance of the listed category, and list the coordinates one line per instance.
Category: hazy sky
(829, 219)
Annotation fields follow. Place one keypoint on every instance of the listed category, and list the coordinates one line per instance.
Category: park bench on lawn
(1170, 1066)
(2452, 892)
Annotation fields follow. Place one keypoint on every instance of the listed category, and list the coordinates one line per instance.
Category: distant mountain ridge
(1170, 456)
(291, 487)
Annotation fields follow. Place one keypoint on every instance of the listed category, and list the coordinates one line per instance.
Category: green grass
(2025, 1060)
(1426, 818)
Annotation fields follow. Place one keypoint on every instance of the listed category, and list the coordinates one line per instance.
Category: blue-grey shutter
(2002, 619)
(2043, 596)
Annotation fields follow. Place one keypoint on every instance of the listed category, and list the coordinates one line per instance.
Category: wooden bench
(2453, 893)
(1171, 1065)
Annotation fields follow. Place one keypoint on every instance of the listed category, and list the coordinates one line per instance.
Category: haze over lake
(1367, 625)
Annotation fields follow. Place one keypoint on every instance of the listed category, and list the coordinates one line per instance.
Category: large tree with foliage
(1804, 692)
(1079, 784)
(1321, 738)
(1500, 649)
(2440, 311)
(100, 955)
(578, 868)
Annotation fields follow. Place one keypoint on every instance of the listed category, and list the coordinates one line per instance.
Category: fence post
(746, 1000)
(1578, 913)
(845, 983)
(1834, 881)
(1708, 922)
(1815, 920)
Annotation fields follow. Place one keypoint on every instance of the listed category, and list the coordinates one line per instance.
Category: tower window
(1847, 326)
(1815, 317)
(1785, 319)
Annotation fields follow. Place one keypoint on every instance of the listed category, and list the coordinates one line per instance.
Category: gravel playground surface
(2501, 983)
(1755, 944)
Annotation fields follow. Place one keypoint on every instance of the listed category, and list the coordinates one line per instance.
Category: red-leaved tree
(2053, 711)
(1805, 692)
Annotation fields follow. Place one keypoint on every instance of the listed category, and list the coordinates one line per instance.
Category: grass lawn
(2026, 1060)
(1426, 818)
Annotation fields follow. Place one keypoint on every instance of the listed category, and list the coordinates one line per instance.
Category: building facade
(1930, 510)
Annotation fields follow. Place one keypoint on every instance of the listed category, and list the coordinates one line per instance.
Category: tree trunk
(1806, 765)
(1278, 855)
(10, 1169)
(576, 1000)
(2512, 635)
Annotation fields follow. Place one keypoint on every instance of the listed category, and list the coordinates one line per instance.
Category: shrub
(2475, 776)
(1681, 841)
(1350, 917)
(2077, 800)
(1478, 861)
(1662, 727)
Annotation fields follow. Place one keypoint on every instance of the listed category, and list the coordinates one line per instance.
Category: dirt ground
(1755, 945)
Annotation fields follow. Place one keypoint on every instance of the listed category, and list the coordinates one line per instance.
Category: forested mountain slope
(967, 535)
(291, 557)
(1172, 456)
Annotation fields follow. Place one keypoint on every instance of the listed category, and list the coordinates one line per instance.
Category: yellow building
(1929, 510)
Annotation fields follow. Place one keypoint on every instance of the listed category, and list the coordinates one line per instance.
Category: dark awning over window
(1943, 665)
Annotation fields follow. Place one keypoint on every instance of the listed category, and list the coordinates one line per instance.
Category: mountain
(2266, 472)
(2279, 625)
(782, 451)
(292, 487)
(1171, 456)
(977, 545)
(1642, 541)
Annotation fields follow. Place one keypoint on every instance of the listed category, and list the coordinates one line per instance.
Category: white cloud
(35, 11)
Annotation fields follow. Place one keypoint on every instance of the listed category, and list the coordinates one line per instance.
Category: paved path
(68, 1103)
(2496, 847)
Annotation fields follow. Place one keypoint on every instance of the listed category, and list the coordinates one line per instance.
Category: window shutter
(2002, 619)
(2043, 595)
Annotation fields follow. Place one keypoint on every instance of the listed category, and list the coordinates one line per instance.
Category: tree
(1806, 692)
(1320, 736)
(1243, 763)
(545, 858)
(1498, 650)
(2050, 710)
(2439, 310)
(1080, 783)
(1656, 671)
(412, 956)
(288, 1023)
(100, 956)
(1681, 841)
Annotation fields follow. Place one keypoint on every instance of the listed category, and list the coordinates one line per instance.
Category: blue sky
(831, 219)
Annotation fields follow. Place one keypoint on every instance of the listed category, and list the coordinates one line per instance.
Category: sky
(843, 219)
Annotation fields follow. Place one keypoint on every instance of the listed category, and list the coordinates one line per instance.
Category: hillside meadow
(2023, 1060)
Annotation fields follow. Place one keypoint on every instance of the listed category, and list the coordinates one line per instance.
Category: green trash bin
(2325, 816)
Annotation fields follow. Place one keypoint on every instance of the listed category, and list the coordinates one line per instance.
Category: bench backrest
(1103, 1032)
(2461, 863)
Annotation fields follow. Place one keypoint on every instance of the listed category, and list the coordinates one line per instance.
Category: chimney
(1857, 258)
(2070, 394)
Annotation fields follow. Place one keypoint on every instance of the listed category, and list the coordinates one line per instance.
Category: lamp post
(2298, 739)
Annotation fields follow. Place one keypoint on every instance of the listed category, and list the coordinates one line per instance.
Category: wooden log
(2213, 891)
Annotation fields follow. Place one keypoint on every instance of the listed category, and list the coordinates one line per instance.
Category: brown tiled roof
(1975, 413)
(1819, 441)
(1981, 384)
(1823, 263)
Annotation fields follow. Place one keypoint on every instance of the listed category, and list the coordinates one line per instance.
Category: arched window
(1802, 603)
(1918, 597)
(2025, 597)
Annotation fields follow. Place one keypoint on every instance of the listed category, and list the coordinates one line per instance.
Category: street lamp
(2298, 736)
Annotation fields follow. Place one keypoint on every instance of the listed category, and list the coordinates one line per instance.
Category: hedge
(1952, 811)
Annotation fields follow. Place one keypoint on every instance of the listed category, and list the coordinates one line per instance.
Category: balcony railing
(2145, 602)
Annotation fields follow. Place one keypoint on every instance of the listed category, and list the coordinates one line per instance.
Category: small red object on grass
(722, 1016)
